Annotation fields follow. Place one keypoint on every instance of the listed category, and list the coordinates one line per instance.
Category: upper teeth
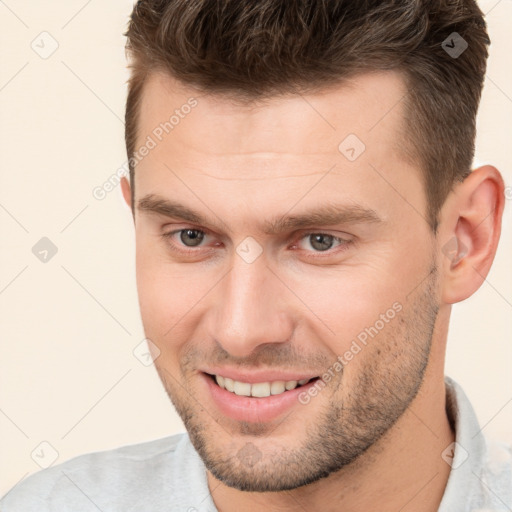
(259, 389)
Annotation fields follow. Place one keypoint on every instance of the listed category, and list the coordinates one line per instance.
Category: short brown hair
(252, 50)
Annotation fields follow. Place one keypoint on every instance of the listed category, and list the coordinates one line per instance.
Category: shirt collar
(466, 455)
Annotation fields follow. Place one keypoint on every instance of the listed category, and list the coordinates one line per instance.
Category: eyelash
(344, 243)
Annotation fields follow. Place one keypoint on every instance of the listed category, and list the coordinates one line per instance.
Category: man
(305, 216)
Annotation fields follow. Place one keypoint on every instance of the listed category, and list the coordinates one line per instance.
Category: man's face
(229, 296)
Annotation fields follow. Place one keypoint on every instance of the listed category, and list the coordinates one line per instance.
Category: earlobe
(470, 234)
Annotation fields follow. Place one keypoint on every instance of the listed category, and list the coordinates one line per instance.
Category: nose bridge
(249, 310)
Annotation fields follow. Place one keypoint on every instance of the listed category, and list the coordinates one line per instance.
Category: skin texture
(379, 425)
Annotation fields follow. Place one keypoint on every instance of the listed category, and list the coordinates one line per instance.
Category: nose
(252, 308)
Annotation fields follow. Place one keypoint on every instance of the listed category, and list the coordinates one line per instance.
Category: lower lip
(253, 409)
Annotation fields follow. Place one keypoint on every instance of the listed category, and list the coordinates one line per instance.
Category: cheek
(366, 316)
(168, 293)
(347, 301)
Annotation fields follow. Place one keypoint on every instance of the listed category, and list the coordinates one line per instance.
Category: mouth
(258, 389)
(257, 397)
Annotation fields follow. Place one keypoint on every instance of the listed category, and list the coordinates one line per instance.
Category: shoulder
(96, 477)
(481, 469)
(496, 475)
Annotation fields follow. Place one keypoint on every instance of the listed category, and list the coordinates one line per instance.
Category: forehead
(368, 105)
(342, 144)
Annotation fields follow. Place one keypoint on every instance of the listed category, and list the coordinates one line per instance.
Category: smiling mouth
(258, 389)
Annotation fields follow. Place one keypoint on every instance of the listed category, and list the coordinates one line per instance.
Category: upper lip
(259, 375)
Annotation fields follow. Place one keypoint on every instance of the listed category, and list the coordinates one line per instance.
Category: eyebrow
(324, 215)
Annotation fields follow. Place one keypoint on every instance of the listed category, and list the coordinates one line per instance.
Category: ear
(471, 227)
(127, 193)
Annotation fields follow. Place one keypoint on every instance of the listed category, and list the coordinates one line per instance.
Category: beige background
(68, 375)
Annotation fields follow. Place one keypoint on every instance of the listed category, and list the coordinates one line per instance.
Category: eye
(188, 238)
(323, 242)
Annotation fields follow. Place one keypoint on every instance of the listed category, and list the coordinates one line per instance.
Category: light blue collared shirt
(481, 476)
(168, 475)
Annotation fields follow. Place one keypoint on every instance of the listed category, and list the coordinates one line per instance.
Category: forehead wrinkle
(219, 178)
